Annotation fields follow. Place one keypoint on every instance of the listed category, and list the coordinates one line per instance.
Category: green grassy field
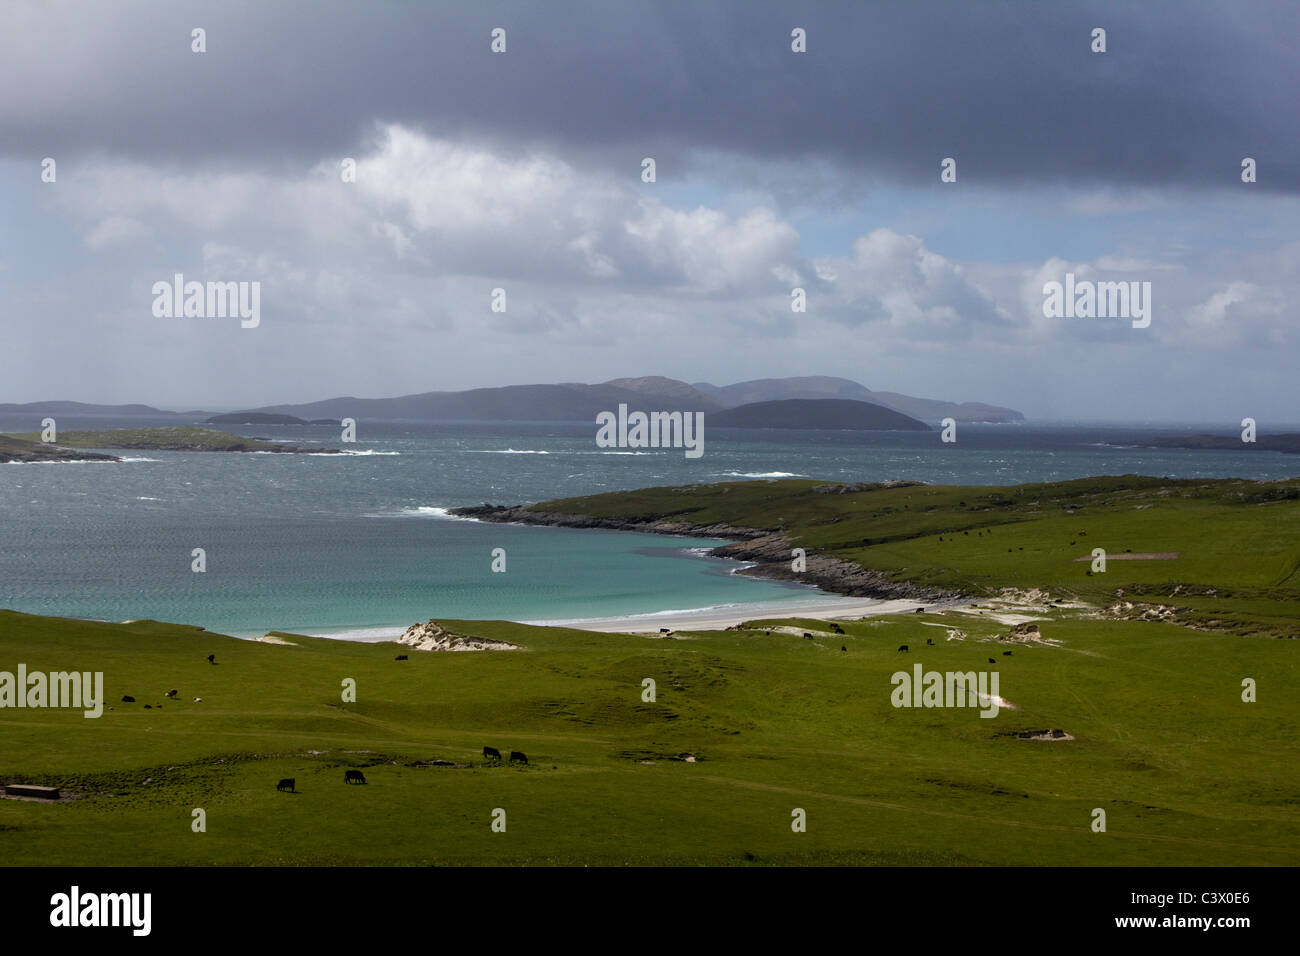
(1186, 772)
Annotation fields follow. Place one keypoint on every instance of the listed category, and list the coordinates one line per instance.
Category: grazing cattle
(198, 700)
(807, 635)
(286, 784)
(902, 648)
(401, 657)
(920, 610)
(127, 699)
(837, 629)
(491, 753)
(1006, 653)
(992, 661)
(517, 757)
(170, 693)
(843, 648)
(929, 642)
(212, 658)
(665, 630)
(353, 776)
(147, 706)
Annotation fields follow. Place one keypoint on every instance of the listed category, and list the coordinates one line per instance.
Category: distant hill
(564, 402)
(825, 386)
(817, 414)
(573, 402)
(85, 410)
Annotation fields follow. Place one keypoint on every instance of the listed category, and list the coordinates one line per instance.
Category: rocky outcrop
(432, 636)
(19, 450)
(769, 552)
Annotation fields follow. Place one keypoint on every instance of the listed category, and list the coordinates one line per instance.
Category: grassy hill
(1157, 733)
(1186, 772)
(1237, 542)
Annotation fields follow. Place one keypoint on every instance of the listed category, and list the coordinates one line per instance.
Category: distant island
(816, 414)
(166, 438)
(24, 450)
(266, 418)
(1286, 443)
(562, 402)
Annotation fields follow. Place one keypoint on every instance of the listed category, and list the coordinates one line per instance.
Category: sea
(361, 545)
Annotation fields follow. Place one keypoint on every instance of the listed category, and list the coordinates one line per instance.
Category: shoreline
(691, 619)
(717, 619)
(768, 551)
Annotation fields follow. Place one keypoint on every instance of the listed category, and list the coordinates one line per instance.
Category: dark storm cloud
(886, 90)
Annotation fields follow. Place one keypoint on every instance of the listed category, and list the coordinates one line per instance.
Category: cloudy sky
(522, 170)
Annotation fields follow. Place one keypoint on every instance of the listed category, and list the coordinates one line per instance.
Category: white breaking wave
(761, 474)
(421, 511)
(507, 451)
(349, 451)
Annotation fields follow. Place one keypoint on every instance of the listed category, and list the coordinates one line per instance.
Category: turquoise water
(360, 545)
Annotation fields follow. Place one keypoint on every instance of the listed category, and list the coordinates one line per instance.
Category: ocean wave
(761, 474)
(621, 618)
(420, 511)
(506, 451)
(91, 461)
(349, 451)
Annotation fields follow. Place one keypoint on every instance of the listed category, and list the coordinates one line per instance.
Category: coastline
(768, 551)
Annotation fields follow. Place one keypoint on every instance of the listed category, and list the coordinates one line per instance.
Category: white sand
(714, 619)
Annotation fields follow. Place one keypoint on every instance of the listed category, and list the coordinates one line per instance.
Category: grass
(1238, 541)
(1187, 773)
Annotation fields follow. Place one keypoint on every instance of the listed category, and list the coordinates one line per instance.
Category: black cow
(1006, 653)
(843, 648)
(902, 648)
(992, 661)
(665, 630)
(517, 757)
(807, 635)
(353, 776)
(401, 657)
(920, 610)
(128, 699)
(170, 693)
(491, 753)
(929, 642)
(212, 658)
(286, 784)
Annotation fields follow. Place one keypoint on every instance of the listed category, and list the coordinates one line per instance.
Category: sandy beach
(711, 619)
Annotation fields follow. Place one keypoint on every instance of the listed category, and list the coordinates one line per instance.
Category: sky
(522, 170)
